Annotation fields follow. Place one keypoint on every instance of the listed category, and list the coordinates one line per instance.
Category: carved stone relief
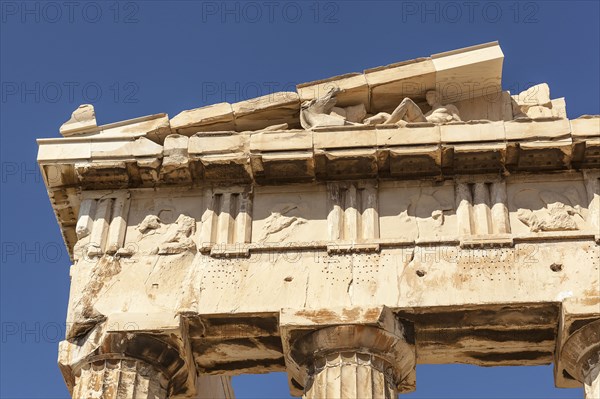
(429, 212)
(323, 112)
(282, 220)
(409, 111)
(557, 214)
(165, 224)
(179, 236)
(294, 217)
(411, 213)
(171, 238)
(318, 112)
(541, 207)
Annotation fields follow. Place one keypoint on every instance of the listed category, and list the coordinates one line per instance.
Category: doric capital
(374, 337)
(119, 378)
(580, 354)
(153, 347)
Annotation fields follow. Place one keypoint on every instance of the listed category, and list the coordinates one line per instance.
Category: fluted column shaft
(119, 379)
(350, 353)
(350, 375)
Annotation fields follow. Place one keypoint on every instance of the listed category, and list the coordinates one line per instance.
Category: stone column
(352, 353)
(119, 379)
(116, 361)
(350, 375)
(581, 357)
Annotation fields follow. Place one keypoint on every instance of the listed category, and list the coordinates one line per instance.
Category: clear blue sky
(143, 57)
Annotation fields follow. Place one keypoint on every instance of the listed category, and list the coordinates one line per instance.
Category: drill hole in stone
(288, 279)
(556, 267)
(420, 273)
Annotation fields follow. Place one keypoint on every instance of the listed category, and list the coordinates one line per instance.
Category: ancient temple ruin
(343, 233)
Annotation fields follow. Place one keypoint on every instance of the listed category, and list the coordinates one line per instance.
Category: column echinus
(581, 358)
(348, 353)
(111, 362)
